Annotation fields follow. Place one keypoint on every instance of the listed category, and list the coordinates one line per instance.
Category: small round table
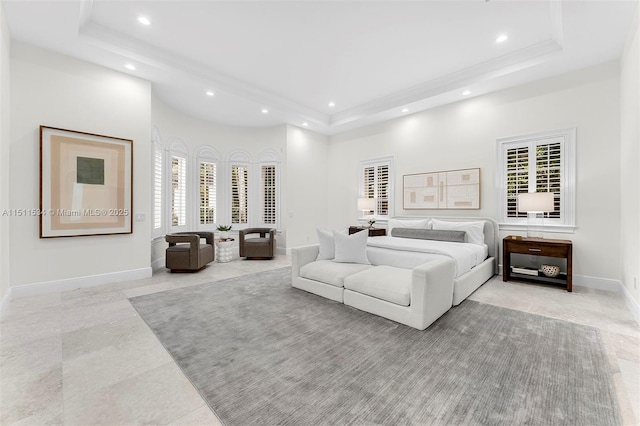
(224, 250)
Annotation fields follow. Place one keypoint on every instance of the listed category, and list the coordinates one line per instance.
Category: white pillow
(351, 248)
(327, 245)
(474, 230)
(408, 223)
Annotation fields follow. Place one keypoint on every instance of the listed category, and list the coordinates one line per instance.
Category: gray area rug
(263, 353)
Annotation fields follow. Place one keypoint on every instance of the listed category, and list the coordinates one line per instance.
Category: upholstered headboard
(490, 229)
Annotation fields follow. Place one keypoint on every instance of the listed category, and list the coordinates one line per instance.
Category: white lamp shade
(536, 202)
(366, 204)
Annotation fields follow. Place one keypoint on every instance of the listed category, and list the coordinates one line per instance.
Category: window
(156, 179)
(239, 194)
(208, 193)
(268, 205)
(178, 191)
(543, 162)
(376, 182)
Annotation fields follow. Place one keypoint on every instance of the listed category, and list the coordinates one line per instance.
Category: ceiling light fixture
(210, 93)
(466, 92)
(332, 104)
(305, 124)
(265, 111)
(405, 110)
(130, 67)
(501, 38)
(144, 21)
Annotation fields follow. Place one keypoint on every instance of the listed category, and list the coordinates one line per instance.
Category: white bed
(475, 263)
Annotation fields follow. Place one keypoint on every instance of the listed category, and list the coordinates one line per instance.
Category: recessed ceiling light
(144, 20)
(130, 67)
(501, 38)
(466, 92)
(332, 104)
(265, 111)
(405, 110)
(210, 93)
(305, 124)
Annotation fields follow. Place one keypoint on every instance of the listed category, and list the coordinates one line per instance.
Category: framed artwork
(86, 184)
(449, 189)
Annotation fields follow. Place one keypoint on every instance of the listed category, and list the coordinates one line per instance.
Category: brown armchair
(185, 252)
(263, 246)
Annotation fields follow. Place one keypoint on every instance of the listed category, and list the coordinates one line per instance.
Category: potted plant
(224, 231)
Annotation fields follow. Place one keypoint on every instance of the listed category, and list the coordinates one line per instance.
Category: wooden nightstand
(373, 232)
(537, 247)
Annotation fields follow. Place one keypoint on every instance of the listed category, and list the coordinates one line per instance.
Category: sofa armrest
(300, 256)
(432, 290)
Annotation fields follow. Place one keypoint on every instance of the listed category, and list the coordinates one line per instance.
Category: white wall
(59, 91)
(196, 133)
(463, 135)
(630, 159)
(306, 188)
(5, 114)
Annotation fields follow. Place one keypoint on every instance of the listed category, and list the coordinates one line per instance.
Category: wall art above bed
(448, 189)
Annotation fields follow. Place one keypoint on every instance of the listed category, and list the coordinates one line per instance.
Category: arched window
(157, 154)
(269, 187)
(208, 161)
(240, 165)
(178, 155)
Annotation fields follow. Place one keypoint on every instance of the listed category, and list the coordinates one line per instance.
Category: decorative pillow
(351, 248)
(327, 245)
(430, 234)
(408, 223)
(474, 230)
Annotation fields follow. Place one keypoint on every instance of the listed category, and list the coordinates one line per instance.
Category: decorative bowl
(550, 270)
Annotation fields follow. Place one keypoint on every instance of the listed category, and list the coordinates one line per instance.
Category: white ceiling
(372, 58)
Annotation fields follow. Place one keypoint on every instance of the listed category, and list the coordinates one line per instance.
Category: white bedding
(411, 252)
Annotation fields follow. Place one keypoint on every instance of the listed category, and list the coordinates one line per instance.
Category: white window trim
(376, 162)
(568, 182)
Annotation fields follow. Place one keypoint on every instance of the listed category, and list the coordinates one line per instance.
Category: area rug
(263, 353)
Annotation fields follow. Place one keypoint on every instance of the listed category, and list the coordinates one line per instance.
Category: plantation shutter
(239, 194)
(178, 191)
(268, 195)
(157, 191)
(369, 185)
(541, 162)
(382, 195)
(517, 177)
(549, 172)
(208, 193)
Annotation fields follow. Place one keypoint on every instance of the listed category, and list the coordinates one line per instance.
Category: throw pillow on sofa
(351, 248)
(327, 244)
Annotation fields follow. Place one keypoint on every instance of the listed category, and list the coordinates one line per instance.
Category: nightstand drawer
(538, 249)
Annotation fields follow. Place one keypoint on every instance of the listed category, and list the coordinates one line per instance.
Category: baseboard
(48, 287)
(606, 284)
(158, 264)
(631, 304)
(4, 303)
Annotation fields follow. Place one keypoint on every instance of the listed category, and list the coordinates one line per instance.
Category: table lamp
(535, 203)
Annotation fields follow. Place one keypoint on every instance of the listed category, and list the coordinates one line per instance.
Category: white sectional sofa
(415, 296)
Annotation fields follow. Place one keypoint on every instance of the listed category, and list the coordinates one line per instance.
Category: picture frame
(86, 184)
(442, 190)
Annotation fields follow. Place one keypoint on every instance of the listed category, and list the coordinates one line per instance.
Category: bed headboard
(490, 229)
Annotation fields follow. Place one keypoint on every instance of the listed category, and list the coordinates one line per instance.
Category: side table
(224, 250)
(538, 247)
(373, 232)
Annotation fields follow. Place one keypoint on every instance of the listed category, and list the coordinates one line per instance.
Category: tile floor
(86, 357)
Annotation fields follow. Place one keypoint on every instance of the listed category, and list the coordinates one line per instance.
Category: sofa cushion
(329, 272)
(383, 282)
